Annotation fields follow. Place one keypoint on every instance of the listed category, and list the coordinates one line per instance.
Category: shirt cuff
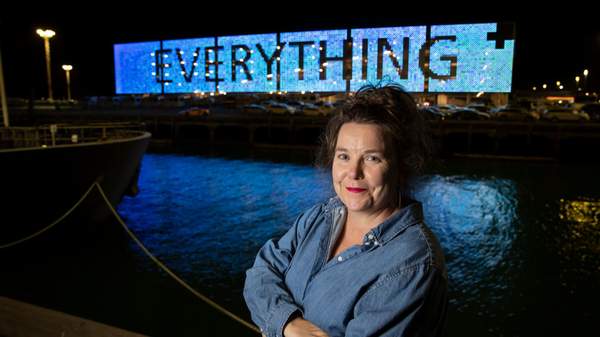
(279, 318)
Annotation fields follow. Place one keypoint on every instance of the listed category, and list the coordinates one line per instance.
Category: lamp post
(47, 35)
(577, 78)
(3, 96)
(585, 75)
(67, 68)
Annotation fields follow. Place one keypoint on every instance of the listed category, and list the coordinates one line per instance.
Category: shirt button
(340, 258)
(370, 236)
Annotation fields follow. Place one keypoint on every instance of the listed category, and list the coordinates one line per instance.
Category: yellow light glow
(570, 99)
(67, 67)
(582, 211)
(46, 34)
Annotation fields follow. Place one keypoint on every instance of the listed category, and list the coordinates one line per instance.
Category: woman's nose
(355, 170)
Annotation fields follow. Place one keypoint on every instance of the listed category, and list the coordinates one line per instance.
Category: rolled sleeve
(411, 302)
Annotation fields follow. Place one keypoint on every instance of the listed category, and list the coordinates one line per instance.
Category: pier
(20, 319)
(231, 127)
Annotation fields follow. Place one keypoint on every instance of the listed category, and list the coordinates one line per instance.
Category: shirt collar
(410, 213)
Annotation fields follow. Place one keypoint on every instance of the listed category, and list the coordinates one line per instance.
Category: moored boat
(45, 171)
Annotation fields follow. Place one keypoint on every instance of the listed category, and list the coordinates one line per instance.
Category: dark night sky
(549, 46)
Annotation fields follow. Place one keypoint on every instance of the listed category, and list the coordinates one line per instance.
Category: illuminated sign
(440, 58)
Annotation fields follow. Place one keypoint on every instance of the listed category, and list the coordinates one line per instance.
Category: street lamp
(577, 83)
(585, 75)
(47, 35)
(67, 68)
(3, 100)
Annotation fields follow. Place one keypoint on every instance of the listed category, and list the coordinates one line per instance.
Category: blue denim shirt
(393, 284)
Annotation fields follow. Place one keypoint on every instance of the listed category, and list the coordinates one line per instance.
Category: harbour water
(522, 244)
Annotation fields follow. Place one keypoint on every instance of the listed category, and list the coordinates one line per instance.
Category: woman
(362, 263)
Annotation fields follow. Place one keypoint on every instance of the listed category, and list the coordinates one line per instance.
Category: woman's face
(364, 178)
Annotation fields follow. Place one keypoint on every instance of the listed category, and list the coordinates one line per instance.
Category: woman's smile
(356, 189)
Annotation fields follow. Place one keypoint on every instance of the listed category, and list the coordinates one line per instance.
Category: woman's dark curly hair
(405, 131)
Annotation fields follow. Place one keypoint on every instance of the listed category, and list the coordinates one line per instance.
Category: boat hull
(40, 185)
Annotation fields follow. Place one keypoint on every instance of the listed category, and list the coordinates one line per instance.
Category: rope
(61, 218)
(172, 274)
(144, 249)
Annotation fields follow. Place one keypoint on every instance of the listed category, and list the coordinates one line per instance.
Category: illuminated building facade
(462, 58)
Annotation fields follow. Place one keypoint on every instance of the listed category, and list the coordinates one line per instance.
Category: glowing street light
(585, 75)
(47, 35)
(544, 86)
(67, 68)
(3, 99)
(577, 83)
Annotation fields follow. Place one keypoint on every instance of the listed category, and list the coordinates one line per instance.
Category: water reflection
(207, 217)
(516, 241)
(476, 221)
(579, 245)
(581, 211)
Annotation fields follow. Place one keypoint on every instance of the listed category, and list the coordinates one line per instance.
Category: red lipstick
(356, 189)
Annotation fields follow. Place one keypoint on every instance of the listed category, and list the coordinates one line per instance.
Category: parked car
(254, 109)
(195, 111)
(297, 105)
(593, 111)
(564, 114)
(515, 114)
(325, 107)
(433, 113)
(469, 114)
(446, 109)
(281, 108)
(480, 107)
(310, 109)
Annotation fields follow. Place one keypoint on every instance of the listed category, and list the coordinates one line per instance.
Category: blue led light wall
(439, 58)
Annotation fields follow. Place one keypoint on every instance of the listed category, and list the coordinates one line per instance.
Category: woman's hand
(299, 327)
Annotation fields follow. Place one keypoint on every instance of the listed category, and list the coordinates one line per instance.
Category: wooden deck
(18, 319)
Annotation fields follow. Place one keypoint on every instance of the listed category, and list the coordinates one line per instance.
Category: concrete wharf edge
(19, 319)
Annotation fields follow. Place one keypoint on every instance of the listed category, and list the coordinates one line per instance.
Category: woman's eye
(373, 158)
(342, 156)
